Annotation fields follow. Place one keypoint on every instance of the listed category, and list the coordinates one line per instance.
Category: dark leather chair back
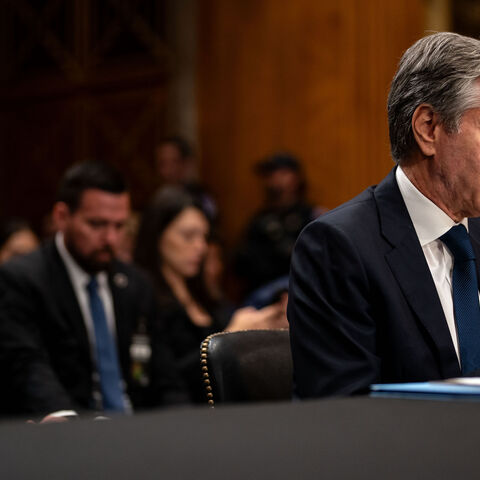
(247, 366)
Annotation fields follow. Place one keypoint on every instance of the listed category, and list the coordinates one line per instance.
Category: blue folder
(442, 390)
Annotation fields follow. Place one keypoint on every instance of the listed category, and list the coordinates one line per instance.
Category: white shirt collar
(76, 273)
(430, 222)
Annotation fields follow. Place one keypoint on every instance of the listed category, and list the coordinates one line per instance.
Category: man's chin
(94, 262)
(103, 264)
(98, 264)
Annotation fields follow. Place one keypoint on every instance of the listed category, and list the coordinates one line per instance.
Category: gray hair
(439, 70)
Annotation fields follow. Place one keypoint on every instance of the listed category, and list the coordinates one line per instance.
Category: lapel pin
(120, 280)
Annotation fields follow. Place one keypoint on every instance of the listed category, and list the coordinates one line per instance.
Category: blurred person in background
(16, 238)
(175, 166)
(263, 255)
(174, 161)
(77, 326)
(173, 246)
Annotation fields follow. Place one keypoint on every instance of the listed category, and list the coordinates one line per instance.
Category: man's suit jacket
(363, 307)
(45, 359)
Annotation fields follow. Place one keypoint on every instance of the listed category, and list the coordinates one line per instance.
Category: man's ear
(425, 123)
(60, 215)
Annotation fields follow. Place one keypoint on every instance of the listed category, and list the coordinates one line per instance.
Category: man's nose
(112, 235)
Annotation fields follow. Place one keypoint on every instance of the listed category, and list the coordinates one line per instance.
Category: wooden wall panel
(41, 139)
(81, 79)
(309, 77)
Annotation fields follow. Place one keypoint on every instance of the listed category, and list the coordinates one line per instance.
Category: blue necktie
(465, 297)
(107, 359)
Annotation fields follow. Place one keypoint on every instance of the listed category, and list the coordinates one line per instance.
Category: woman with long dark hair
(171, 246)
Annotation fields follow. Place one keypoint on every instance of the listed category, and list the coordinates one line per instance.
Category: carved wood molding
(83, 42)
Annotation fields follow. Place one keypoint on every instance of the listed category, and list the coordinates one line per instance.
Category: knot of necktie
(92, 285)
(458, 242)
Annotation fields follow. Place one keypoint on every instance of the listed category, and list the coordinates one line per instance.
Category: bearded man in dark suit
(377, 292)
(79, 330)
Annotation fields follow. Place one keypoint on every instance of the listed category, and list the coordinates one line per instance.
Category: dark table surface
(352, 438)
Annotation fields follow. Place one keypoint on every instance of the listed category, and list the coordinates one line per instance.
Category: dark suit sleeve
(29, 382)
(333, 333)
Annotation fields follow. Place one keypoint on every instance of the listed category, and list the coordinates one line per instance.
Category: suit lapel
(409, 266)
(66, 299)
(474, 232)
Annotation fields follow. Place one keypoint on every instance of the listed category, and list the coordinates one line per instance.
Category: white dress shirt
(80, 280)
(430, 223)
